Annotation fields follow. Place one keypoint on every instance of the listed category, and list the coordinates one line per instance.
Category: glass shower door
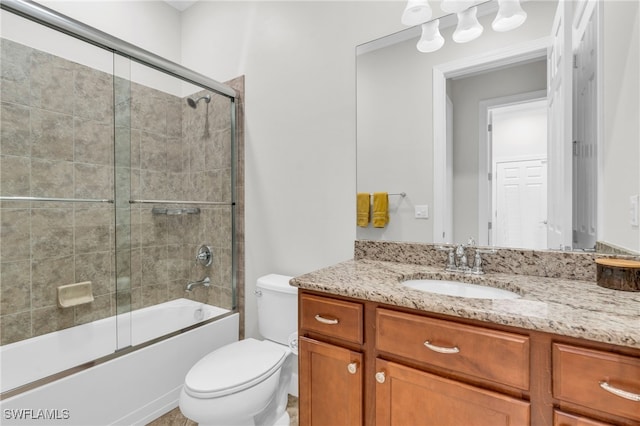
(122, 189)
(57, 201)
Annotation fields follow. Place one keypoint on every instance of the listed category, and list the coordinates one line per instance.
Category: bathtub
(134, 388)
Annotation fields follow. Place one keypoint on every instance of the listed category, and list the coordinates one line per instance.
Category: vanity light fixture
(431, 39)
(468, 26)
(416, 12)
(510, 16)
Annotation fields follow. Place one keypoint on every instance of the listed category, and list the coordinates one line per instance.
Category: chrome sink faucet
(457, 260)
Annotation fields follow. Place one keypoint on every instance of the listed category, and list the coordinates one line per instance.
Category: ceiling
(180, 4)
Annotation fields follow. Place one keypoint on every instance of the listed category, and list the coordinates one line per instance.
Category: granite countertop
(567, 307)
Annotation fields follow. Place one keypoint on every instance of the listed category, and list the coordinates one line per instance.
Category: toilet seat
(234, 367)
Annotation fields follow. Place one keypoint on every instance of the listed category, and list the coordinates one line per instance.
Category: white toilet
(246, 382)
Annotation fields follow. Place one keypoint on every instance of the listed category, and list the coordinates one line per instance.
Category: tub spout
(205, 282)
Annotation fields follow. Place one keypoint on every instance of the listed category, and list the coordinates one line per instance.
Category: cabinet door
(406, 396)
(330, 384)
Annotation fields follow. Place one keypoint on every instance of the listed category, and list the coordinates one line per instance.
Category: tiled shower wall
(180, 153)
(57, 140)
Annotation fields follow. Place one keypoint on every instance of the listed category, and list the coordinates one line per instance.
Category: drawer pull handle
(352, 367)
(440, 349)
(619, 392)
(380, 377)
(329, 321)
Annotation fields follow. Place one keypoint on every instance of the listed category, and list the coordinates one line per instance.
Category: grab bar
(208, 203)
(174, 212)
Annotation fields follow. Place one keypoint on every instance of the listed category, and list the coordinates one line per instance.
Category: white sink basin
(459, 289)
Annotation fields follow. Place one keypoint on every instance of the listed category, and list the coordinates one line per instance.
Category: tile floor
(175, 417)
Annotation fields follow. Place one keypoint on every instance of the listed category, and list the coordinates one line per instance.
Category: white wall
(151, 25)
(621, 153)
(298, 59)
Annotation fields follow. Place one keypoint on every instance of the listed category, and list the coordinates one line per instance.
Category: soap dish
(75, 294)
(618, 274)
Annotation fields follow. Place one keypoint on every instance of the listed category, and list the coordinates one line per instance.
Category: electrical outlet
(422, 212)
(633, 210)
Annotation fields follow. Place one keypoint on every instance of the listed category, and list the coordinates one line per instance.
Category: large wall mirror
(474, 140)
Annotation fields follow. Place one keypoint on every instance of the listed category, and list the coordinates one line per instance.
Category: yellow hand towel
(380, 209)
(363, 200)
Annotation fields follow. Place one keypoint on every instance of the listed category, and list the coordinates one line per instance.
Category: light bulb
(431, 39)
(468, 26)
(510, 16)
(416, 12)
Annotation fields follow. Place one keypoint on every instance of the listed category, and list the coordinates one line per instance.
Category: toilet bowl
(246, 382)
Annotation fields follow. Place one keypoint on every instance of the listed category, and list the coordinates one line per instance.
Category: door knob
(380, 377)
(352, 368)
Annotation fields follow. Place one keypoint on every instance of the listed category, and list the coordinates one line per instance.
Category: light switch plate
(633, 210)
(422, 211)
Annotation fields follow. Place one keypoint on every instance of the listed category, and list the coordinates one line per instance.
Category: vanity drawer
(331, 317)
(565, 419)
(582, 376)
(497, 356)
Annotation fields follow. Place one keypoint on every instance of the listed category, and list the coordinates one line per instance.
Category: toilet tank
(277, 307)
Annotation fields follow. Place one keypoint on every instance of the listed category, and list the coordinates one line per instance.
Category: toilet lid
(234, 367)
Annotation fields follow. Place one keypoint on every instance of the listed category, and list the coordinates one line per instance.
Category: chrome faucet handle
(477, 261)
(451, 259)
(477, 264)
(471, 242)
(461, 254)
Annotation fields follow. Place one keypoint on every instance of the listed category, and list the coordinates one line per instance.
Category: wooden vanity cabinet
(490, 355)
(330, 362)
(330, 384)
(407, 396)
(405, 367)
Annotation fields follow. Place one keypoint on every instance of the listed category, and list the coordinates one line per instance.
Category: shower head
(194, 103)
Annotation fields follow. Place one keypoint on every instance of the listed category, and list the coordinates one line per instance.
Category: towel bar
(401, 194)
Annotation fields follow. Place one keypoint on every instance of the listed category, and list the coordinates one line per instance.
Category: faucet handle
(477, 264)
(477, 261)
(471, 242)
(451, 260)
